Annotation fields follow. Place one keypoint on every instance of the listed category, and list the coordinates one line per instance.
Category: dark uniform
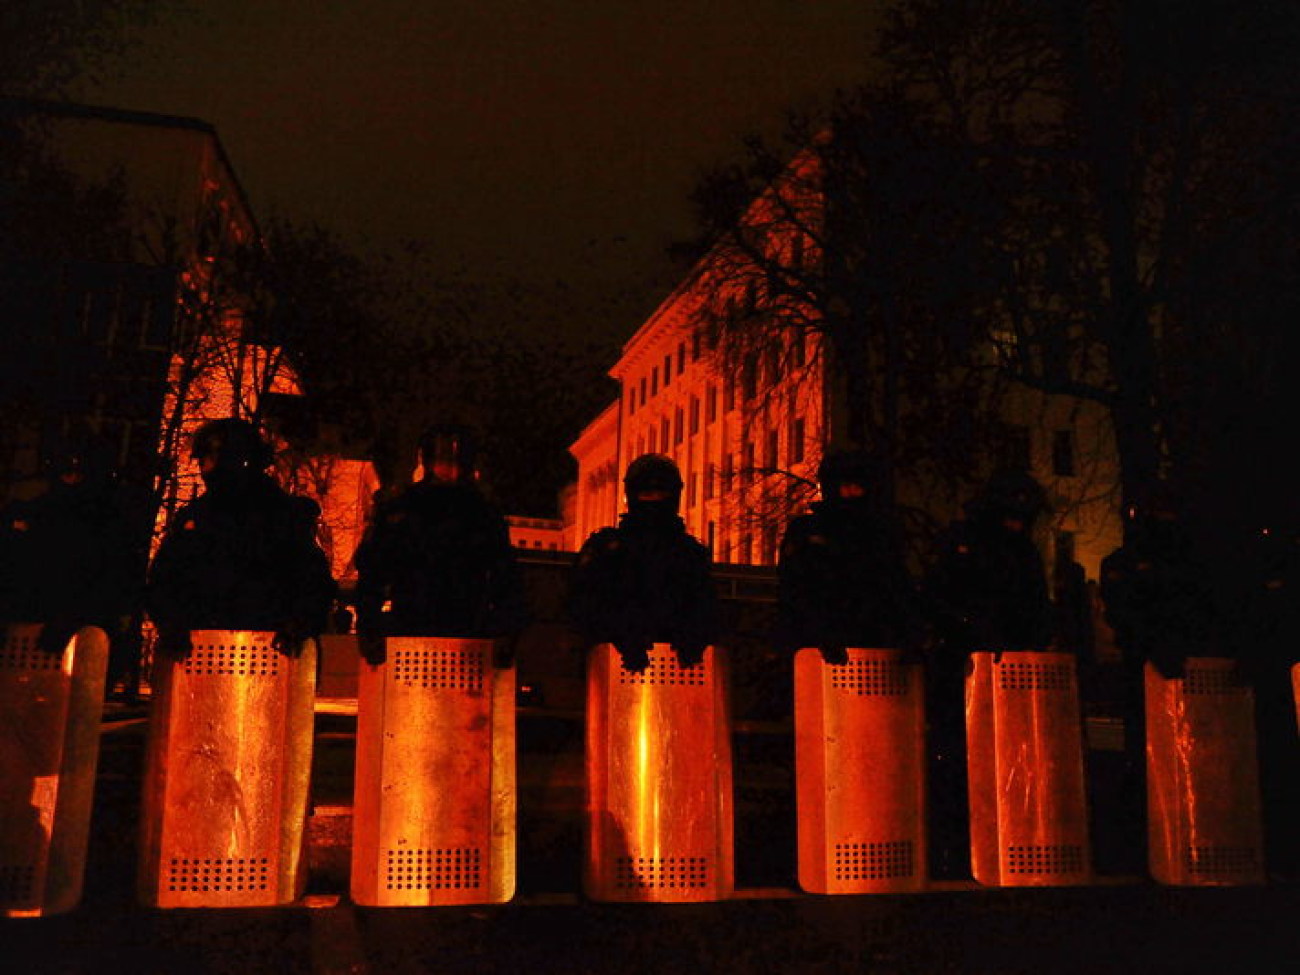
(987, 591)
(1159, 602)
(646, 581)
(439, 556)
(75, 556)
(843, 579)
(1268, 634)
(243, 555)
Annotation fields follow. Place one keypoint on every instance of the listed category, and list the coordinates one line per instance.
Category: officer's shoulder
(603, 540)
(303, 507)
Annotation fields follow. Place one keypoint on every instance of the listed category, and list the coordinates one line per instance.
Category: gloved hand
(636, 655)
(373, 649)
(834, 655)
(55, 635)
(174, 644)
(505, 651)
(289, 638)
(689, 655)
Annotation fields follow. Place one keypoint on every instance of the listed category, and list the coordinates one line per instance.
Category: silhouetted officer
(646, 581)
(439, 556)
(75, 555)
(987, 591)
(243, 555)
(1158, 601)
(1268, 640)
(843, 579)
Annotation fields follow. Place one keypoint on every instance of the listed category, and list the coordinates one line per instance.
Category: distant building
(536, 534)
(749, 430)
(144, 343)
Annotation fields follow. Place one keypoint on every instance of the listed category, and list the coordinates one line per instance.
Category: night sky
(524, 141)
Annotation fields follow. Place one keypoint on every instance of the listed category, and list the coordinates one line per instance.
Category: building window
(712, 537)
(1013, 448)
(770, 454)
(663, 433)
(695, 346)
(677, 426)
(668, 369)
(747, 461)
(710, 474)
(692, 486)
(746, 549)
(695, 415)
(652, 445)
(797, 349)
(681, 358)
(643, 390)
(727, 473)
(1063, 453)
(712, 405)
(654, 381)
(631, 401)
(796, 440)
(729, 395)
(749, 377)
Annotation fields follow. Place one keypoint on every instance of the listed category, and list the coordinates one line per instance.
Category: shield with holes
(434, 809)
(228, 768)
(1203, 816)
(1024, 760)
(659, 806)
(859, 736)
(50, 709)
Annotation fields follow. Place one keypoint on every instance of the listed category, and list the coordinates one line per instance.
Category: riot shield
(659, 803)
(434, 808)
(1024, 759)
(227, 776)
(50, 710)
(1203, 816)
(859, 733)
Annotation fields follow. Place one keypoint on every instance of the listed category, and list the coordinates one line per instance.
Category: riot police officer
(647, 580)
(243, 555)
(843, 579)
(1158, 601)
(439, 556)
(75, 555)
(986, 591)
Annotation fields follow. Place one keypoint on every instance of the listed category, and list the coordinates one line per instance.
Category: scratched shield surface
(228, 773)
(435, 800)
(860, 772)
(659, 780)
(1203, 815)
(50, 710)
(1028, 804)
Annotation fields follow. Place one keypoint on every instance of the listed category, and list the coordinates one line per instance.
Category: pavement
(1119, 924)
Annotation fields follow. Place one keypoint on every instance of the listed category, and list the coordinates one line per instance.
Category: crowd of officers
(436, 560)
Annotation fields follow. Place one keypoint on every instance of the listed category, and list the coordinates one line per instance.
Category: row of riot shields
(229, 760)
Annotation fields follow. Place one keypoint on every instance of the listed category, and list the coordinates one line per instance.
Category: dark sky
(535, 141)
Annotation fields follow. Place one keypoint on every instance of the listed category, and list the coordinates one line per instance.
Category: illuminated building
(146, 337)
(748, 426)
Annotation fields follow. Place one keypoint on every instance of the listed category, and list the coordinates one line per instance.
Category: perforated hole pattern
(17, 883)
(1019, 676)
(874, 861)
(218, 874)
(446, 868)
(1212, 682)
(453, 669)
(672, 873)
(1222, 861)
(20, 652)
(664, 669)
(1049, 860)
(233, 660)
(871, 678)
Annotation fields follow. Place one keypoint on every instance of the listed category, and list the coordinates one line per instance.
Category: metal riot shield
(1024, 759)
(659, 804)
(859, 735)
(50, 709)
(228, 769)
(434, 809)
(1203, 815)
